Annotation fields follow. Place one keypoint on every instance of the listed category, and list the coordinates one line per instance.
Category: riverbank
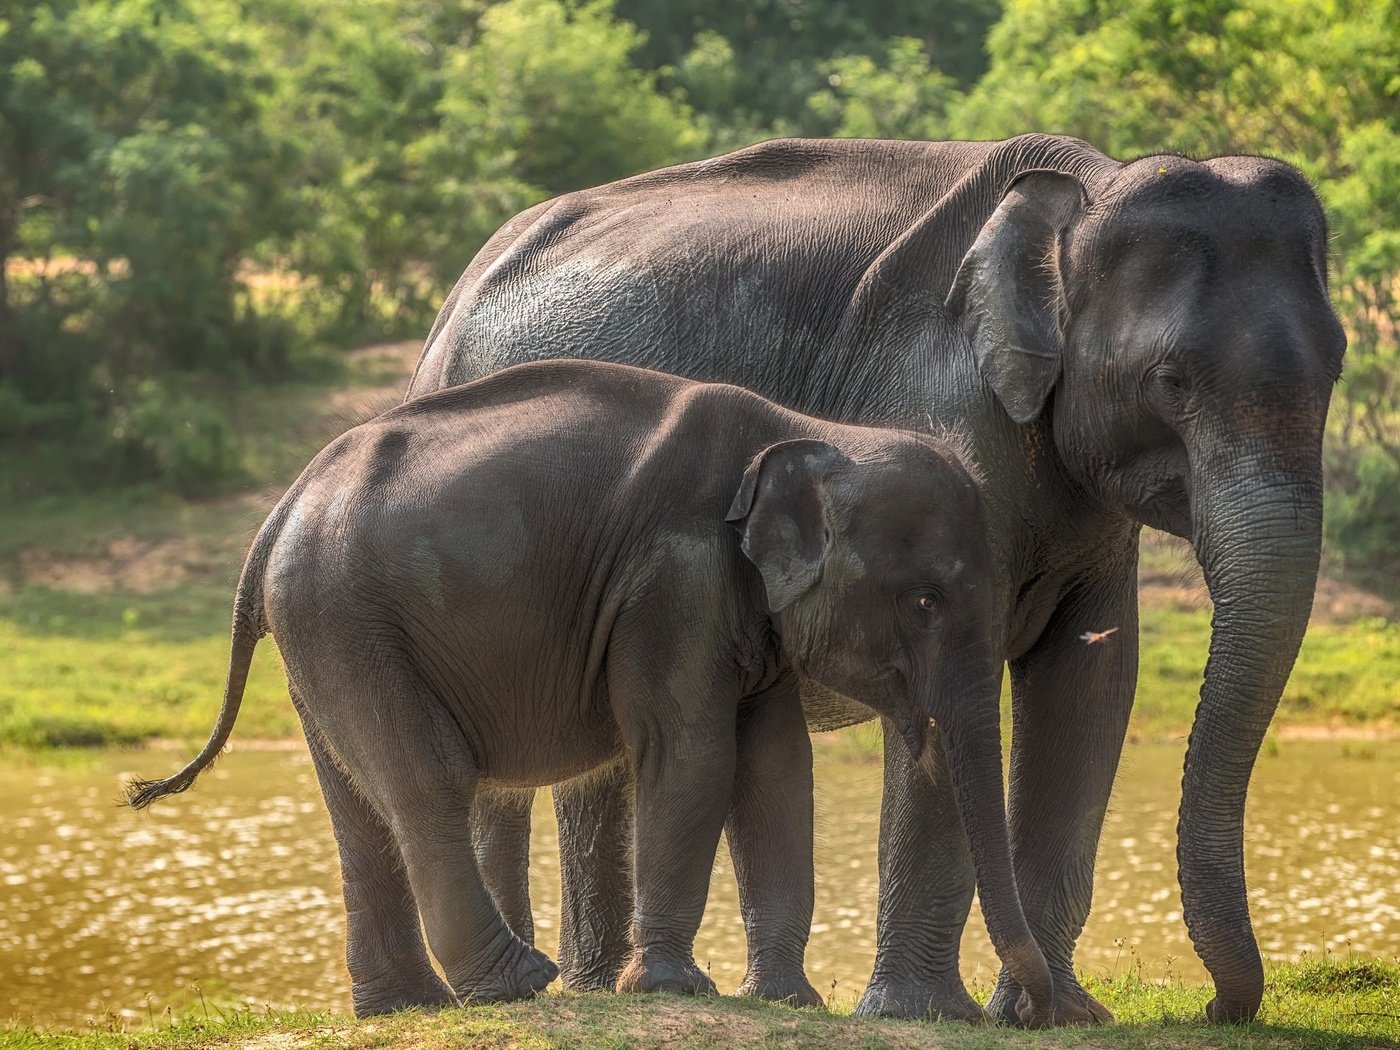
(1321, 1005)
(122, 667)
(114, 605)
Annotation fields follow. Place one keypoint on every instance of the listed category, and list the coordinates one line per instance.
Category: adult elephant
(1124, 344)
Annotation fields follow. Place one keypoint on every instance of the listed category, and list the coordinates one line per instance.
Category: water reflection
(235, 885)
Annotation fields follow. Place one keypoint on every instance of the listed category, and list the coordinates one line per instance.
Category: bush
(186, 442)
(1362, 525)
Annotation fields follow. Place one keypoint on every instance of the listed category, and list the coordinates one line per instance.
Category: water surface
(235, 885)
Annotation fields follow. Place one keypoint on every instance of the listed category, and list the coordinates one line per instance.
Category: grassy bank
(1316, 1005)
(118, 669)
(114, 605)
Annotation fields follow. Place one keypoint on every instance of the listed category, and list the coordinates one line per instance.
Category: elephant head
(877, 573)
(1174, 334)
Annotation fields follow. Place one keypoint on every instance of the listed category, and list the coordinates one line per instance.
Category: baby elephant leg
(423, 779)
(770, 841)
(595, 868)
(682, 749)
(384, 950)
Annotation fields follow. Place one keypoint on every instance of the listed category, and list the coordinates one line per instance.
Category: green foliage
(159, 433)
(216, 186)
(553, 85)
(906, 97)
(1362, 523)
(778, 53)
(138, 173)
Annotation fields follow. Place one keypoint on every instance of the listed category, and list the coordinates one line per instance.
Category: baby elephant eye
(926, 603)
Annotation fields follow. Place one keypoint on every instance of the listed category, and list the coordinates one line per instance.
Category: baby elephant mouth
(896, 702)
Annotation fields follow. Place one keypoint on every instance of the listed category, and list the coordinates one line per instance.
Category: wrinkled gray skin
(574, 565)
(1126, 344)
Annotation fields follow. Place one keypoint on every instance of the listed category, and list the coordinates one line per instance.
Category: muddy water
(234, 886)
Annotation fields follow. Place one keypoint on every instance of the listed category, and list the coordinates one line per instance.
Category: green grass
(1327, 1005)
(1347, 673)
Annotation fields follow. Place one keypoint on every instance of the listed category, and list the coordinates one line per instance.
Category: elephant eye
(1170, 380)
(926, 603)
(1168, 390)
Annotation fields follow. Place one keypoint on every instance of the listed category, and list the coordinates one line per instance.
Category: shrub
(186, 442)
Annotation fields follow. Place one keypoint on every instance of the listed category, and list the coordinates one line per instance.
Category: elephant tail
(248, 626)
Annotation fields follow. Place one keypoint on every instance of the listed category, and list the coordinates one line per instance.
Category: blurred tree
(552, 85)
(136, 172)
(778, 52)
(906, 98)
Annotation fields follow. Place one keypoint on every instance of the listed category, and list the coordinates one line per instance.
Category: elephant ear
(1008, 292)
(781, 511)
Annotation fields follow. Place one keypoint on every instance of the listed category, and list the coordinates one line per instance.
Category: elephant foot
(1073, 1007)
(944, 1000)
(523, 972)
(788, 988)
(646, 973)
(597, 975)
(373, 998)
(1218, 1012)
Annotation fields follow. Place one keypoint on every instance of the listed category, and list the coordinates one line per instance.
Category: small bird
(1094, 637)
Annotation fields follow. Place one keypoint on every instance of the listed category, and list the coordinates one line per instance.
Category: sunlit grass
(113, 668)
(1328, 1004)
(1346, 673)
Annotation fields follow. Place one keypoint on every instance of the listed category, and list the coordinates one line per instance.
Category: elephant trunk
(1257, 536)
(967, 710)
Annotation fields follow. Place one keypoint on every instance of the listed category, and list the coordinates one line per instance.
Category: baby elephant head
(879, 579)
(876, 571)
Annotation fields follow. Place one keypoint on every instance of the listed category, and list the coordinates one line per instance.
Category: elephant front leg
(770, 840)
(1072, 697)
(682, 796)
(595, 867)
(677, 711)
(926, 886)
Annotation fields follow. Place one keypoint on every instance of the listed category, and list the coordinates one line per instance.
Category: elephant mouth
(1167, 506)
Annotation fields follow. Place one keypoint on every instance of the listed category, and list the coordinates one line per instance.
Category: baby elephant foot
(790, 988)
(1078, 1008)
(523, 972)
(945, 1000)
(372, 998)
(648, 973)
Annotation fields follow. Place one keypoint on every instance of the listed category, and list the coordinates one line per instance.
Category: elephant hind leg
(595, 863)
(416, 767)
(501, 837)
(384, 949)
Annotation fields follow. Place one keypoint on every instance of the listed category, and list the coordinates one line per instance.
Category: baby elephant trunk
(967, 710)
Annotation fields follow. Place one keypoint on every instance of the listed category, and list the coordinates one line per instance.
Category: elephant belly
(535, 745)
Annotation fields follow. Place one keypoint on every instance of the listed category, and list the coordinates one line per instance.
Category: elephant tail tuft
(248, 627)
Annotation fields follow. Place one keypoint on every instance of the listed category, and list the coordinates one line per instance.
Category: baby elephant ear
(781, 514)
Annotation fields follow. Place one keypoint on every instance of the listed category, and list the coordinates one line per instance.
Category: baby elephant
(569, 564)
